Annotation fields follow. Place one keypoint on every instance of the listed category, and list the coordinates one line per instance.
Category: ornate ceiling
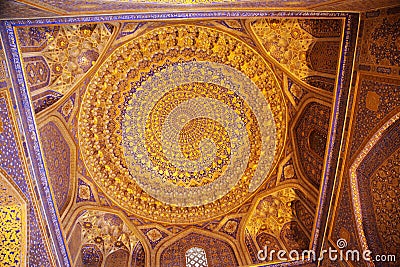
(188, 114)
(49, 8)
(143, 137)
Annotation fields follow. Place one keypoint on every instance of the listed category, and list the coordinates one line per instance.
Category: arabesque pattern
(207, 108)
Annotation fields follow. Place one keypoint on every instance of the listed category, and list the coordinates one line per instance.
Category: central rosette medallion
(182, 124)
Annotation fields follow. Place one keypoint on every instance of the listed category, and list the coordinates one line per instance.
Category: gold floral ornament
(73, 52)
(272, 212)
(162, 109)
(13, 225)
(106, 230)
(286, 42)
(182, 124)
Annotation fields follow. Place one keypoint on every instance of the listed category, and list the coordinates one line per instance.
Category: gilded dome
(182, 124)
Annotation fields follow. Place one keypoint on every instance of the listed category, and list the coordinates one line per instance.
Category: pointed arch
(364, 172)
(218, 249)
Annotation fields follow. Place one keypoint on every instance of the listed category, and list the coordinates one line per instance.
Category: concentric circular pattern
(174, 123)
(182, 124)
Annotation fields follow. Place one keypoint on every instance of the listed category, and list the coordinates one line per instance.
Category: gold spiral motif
(196, 130)
(182, 124)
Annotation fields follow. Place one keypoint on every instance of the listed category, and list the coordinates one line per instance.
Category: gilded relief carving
(55, 57)
(13, 221)
(181, 126)
(166, 106)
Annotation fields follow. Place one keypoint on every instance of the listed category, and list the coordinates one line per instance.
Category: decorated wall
(198, 138)
(20, 214)
(365, 208)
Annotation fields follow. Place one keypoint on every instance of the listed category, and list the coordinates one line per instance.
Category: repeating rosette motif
(182, 124)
